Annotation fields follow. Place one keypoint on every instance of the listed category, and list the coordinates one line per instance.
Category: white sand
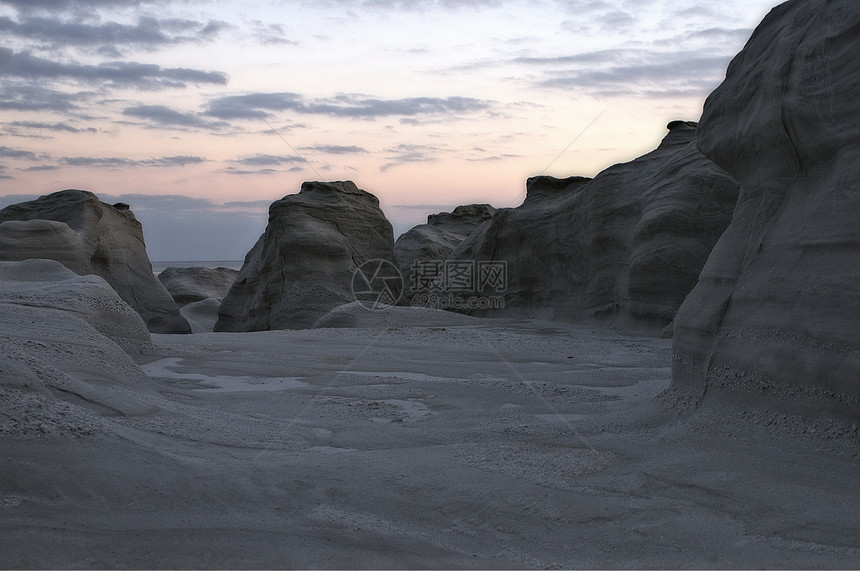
(496, 445)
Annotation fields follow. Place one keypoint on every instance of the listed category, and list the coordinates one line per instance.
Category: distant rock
(50, 284)
(626, 246)
(189, 285)
(430, 244)
(88, 236)
(775, 317)
(303, 265)
(201, 315)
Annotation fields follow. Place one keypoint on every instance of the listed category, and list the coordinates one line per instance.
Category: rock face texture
(65, 336)
(188, 285)
(776, 313)
(90, 237)
(40, 283)
(432, 243)
(201, 315)
(627, 245)
(303, 264)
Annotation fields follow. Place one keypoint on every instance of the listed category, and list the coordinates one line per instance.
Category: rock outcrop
(429, 245)
(304, 263)
(627, 245)
(88, 236)
(198, 292)
(775, 316)
(67, 342)
(189, 285)
(41, 283)
(201, 315)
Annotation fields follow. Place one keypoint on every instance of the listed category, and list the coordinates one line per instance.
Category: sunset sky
(200, 114)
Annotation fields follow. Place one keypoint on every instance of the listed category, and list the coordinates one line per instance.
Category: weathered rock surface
(67, 343)
(775, 316)
(303, 265)
(90, 237)
(48, 284)
(429, 244)
(627, 245)
(189, 285)
(201, 315)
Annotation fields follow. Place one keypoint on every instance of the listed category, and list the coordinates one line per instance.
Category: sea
(158, 267)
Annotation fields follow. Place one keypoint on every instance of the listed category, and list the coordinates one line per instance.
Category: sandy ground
(506, 444)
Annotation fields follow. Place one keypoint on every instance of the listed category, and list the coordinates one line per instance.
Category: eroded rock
(303, 265)
(88, 236)
(626, 246)
(774, 317)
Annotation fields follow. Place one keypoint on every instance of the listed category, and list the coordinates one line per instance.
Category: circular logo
(377, 284)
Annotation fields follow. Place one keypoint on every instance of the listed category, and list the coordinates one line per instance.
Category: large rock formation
(776, 313)
(304, 264)
(423, 248)
(627, 245)
(90, 237)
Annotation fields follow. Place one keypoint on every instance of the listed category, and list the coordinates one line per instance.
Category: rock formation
(428, 245)
(198, 292)
(70, 337)
(627, 245)
(40, 283)
(90, 237)
(187, 285)
(776, 313)
(303, 264)
(201, 315)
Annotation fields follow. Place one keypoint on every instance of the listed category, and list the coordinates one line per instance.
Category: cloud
(37, 98)
(149, 32)
(9, 153)
(413, 5)
(117, 162)
(245, 172)
(116, 73)
(428, 207)
(260, 105)
(40, 168)
(668, 75)
(166, 117)
(271, 34)
(84, 6)
(23, 128)
(260, 160)
(409, 153)
(268, 161)
(336, 149)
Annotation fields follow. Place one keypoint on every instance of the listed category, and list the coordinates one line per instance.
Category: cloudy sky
(200, 114)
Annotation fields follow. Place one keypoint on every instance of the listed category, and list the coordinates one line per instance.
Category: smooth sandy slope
(504, 444)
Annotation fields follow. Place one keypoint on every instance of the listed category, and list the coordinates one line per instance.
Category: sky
(200, 114)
